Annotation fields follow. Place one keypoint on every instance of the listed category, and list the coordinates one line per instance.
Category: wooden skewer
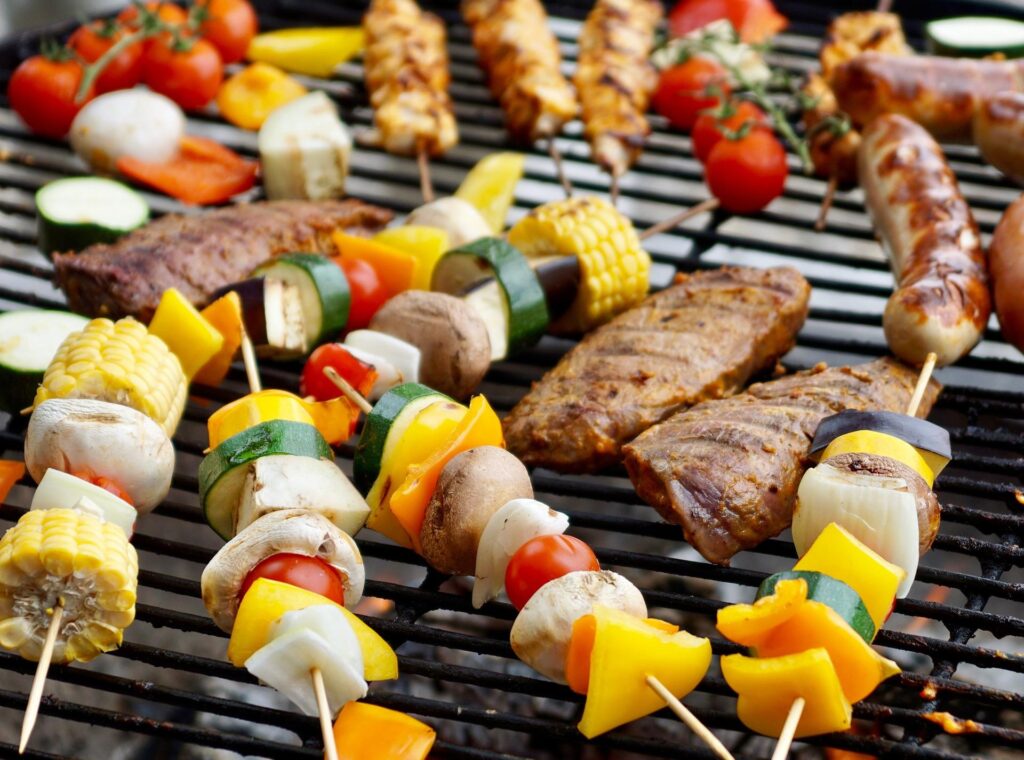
(676, 219)
(922, 383)
(36, 694)
(884, 6)
(614, 189)
(330, 748)
(350, 393)
(426, 186)
(691, 720)
(788, 729)
(826, 203)
(559, 167)
(252, 369)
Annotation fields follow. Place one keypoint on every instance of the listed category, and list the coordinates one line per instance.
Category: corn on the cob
(523, 65)
(120, 362)
(406, 65)
(613, 267)
(615, 79)
(73, 559)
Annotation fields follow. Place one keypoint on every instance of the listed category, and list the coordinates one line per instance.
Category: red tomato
(706, 132)
(682, 91)
(754, 20)
(543, 559)
(189, 72)
(230, 25)
(368, 292)
(747, 174)
(42, 92)
(106, 484)
(310, 573)
(167, 12)
(315, 383)
(93, 40)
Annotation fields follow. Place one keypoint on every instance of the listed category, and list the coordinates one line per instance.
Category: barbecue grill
(168, 692)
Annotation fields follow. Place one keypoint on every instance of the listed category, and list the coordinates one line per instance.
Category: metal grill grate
(168, 692)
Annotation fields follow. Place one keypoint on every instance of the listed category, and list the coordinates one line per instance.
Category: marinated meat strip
(702, 338)
(727, 471)
(201, 253)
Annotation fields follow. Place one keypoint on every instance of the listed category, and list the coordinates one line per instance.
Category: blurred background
(16, 15)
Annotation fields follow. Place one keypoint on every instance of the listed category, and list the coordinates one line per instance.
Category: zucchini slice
(829, 591)
(323, 293)
(77, 212)
(975, 36)
(28, 341)
(222, 472)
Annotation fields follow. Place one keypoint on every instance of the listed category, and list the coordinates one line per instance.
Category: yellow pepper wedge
(185, 331)
(427, 244)
(371, 732)
(315, 51)
(883, 444)
(247, 98)
(479, 427)
(397, 269)
(225, 314)
(491, 186)
(748, 624)
(252, 409)
(768, 686)
(264, 604)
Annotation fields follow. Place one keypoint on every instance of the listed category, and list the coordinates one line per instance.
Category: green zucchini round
(77, 212)
(829, 591)
(323, 287)
(28, 341)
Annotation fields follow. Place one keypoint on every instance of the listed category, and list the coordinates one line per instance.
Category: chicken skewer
(407, 75)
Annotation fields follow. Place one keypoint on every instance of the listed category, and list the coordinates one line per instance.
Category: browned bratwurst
(998, 132)
(940, 94)
(1006, 261)
(941, 302)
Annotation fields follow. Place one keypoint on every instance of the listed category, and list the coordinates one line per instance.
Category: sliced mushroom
(460, 219)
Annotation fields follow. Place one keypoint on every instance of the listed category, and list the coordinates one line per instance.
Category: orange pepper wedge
(371, 732)
(479, 427)
(750, 624)
(396, 269)
(10, 473)
(225, 314)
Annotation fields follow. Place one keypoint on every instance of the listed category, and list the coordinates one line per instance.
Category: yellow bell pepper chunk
(315, 51)
(768, 686)
(397, 269)
(837, 553)
(749, 624)
(264, 604)
(248, 411)
(189, 336)
(479, 427)
(883, 444)
(627, 650)
(225, 314)
(247, 98)
(491, 186)
(371, 732)
(431, 428)
(427, 244)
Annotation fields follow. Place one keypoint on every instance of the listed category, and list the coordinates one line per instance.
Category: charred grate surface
(169, 693)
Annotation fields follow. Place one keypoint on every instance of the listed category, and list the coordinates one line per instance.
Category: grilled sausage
(998, 131)
(941, 302)
(1006, 259)
(940, 94)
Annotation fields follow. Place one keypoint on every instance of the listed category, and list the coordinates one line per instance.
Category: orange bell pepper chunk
(225, 314)
(335, 419)
(479, 427)
(397, 269)
(203, 172)
(370, 732)
(749, 624)
(10, 473)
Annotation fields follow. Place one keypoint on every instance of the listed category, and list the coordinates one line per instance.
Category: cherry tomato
(230, 25)
(315, 383)
(187, 71)
(106, 484)
(747, 174)
(706, 132)
(368, 292)
(93, 40)
(682, 91)
(543, 559)
(310, 573)
(42, 92)
(169, 13)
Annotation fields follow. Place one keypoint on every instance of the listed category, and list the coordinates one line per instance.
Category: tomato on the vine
(747, 174)
(708, 129)
(310, 573)
(689, 88)
(543, 559)
(42, 92)
(169, 13)
(93, 40)
(188, 71)
(230, 25)
(368, 293)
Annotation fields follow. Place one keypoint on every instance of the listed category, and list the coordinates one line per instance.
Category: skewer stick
(36, 694)
(330, 748)
(826, 203)
(676, 219)
(559, 167)
(922, 383)
(691, 720)
(884, 6)
(788, 729)
(426, 186)
(350, 393)
(614, 189)
(252, 369)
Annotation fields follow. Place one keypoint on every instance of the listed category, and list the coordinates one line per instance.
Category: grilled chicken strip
(727, 471)
(197, 254)
(703, 338)
(520, 56)
(407, 75)
(615, 79)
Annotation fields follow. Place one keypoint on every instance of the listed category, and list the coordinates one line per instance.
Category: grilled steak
(198, 254)
(727, 471)
(702, 338)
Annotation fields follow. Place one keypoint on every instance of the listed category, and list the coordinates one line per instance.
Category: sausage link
(999, 133)
(1006, 260)
(942, 301)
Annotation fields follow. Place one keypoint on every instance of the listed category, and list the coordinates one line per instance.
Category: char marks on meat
(727, 471)
(702, 338)
(197, 254)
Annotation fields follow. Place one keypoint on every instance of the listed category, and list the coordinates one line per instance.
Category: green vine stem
(94, 69)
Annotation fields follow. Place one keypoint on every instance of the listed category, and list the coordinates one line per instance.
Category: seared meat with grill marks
(727, 471)
(703, 338)
(201, 253)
